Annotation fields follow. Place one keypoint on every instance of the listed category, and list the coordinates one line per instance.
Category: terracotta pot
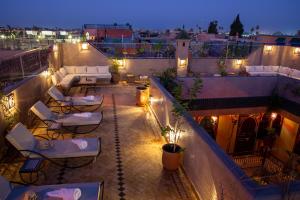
(141, 96)
(170, 159)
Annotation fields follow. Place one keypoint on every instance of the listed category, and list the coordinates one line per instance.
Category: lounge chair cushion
(21, 138)
(84, 101)
(86, 118)
(56, 94)
(42, 111)
(67, 149)
(89, 191)
(6, 188)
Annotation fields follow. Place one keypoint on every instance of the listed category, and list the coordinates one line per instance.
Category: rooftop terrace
(130, 162)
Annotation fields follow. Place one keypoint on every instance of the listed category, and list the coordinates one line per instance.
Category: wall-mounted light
(182, 62)
(297, 51)
(214, 119)
(8, 102)
(268, 48)
(84, 46)
(45, 73)
(239, 62)
(273, 115)
(55, 47)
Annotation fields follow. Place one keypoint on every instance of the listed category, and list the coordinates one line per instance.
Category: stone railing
(212, 172)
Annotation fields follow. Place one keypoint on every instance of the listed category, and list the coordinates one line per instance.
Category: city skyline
(271, 16)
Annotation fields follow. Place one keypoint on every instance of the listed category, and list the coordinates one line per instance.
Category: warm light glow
(214, 118)
(273, 115)
(239, 62)
(9, 101)
(121, 62)
(70, 37)
(268, 48)
(84, 46)
(2, 36)
(45, 73)
(297, 51)
(55, 47)
(182, 62)
(173, 137)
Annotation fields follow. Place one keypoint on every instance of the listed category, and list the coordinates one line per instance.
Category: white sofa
(273, 71)
(67, 75)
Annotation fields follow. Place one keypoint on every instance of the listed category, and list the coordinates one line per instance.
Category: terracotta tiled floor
(130, 162)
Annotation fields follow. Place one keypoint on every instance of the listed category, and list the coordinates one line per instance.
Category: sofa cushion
(103, 69)
(80, 70)
(56, 78)
(60, 75)
(295, 74)
(284, 71)
(70, 69)
(91, 70)
(63, 71)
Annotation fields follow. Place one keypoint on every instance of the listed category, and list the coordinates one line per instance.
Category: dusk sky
(271, 15)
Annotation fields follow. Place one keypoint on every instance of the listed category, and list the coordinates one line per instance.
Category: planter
(141, 96)
(115, 77)
(171, 159)
(147, 86)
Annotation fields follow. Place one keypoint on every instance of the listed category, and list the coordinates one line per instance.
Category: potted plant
(115, 71)
(222, 67)
(172, 150)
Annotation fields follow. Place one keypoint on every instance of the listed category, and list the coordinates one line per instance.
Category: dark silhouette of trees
(213, 27)
(236, 28)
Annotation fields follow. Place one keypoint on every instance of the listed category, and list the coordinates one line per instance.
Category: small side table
(130, 78)
(31, 167)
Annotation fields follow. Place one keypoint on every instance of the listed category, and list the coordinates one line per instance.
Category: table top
(87, 80)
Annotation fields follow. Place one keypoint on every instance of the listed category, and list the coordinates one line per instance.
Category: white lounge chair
(78, 103)
(21, 138)
(70, 122)
(16, 191)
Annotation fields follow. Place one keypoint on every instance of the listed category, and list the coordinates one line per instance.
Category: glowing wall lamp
(182, 62)
(45, 73)
(55, 47)
(8, 102)
(214, 119)
(84, 46)
(268, 48)
(273, 115)
(297, 51)
(239, 62)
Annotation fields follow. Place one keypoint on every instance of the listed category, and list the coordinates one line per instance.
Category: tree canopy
(236, 28)
(213, 27)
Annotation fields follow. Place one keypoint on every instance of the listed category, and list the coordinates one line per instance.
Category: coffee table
(87, 82)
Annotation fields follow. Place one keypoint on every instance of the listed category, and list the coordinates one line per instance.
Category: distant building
(101, 32)
(278, 39)
(207, 37)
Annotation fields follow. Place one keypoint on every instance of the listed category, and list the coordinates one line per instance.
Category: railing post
(226, 51)
(40, 62)
(21, 62)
